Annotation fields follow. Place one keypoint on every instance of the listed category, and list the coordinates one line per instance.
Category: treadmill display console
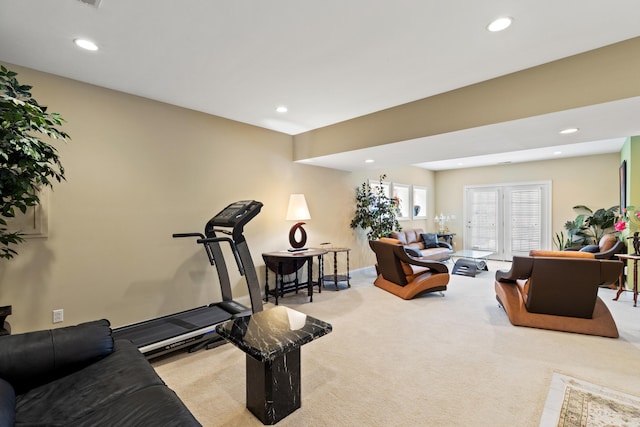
(235, 213)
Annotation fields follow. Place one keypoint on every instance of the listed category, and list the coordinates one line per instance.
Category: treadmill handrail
(200, 235)
(234, 248)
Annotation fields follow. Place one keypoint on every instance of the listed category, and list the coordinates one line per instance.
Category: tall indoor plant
(375, 211)
(27, 161)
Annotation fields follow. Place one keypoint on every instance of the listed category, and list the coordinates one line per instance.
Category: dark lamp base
(292, 236)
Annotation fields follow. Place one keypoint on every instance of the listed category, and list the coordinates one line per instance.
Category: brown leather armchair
(403, 275)
(607, 247)
(558, 293)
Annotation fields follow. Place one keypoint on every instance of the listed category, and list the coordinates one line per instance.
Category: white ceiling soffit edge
(603, 129)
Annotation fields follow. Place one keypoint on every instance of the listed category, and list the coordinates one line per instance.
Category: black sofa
(80, 376)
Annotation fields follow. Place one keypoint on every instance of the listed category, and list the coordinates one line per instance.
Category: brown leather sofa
(403, 275)
(559, 291)
(414, 241)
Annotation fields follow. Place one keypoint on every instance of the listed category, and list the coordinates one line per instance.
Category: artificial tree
(375, 211)
(27, 161)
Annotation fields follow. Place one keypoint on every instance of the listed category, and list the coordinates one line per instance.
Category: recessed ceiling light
(369, 161)
(282, 109)
(500, 24)
(86, 44)
(568, 131)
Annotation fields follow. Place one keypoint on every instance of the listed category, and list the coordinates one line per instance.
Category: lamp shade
(298, 209)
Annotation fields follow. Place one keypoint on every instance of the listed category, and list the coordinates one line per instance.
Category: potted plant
(561, 242)
(375, 211)
(27, 161)
(589, 226)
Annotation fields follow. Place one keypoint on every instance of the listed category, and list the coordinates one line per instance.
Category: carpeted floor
(432, 361)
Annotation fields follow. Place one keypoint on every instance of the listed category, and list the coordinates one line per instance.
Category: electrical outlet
(58, 315)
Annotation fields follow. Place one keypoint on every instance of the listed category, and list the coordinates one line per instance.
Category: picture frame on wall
(34, 223)
(623, 185)
(419, 204)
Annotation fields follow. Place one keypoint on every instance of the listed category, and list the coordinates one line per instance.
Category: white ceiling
(327, 61)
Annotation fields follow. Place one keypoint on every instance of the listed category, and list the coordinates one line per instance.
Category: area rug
(575, 403)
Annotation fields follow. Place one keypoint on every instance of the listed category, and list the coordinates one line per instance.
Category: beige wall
(588, 180)
(138, 171)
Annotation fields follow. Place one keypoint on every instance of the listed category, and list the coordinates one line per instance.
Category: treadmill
(196, 327)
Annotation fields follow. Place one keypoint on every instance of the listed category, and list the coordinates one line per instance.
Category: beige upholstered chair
(403, 275)
(414, 243)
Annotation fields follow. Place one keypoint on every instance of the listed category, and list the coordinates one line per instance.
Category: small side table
(335, 278)
(634, 258)
(271, 340)
(283, 263)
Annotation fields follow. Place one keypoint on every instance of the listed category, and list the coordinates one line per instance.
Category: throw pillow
(430, 240)
(594, 249)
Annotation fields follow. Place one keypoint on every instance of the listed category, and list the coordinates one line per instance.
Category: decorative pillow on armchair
(430, 240)
(594, 249)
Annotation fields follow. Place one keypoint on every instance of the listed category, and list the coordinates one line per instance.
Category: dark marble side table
(271, 340)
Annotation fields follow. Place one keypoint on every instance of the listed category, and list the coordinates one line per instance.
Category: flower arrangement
(395, 202)
(629, 219)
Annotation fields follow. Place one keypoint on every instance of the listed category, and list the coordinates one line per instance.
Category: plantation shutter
(482, 222)
(525, 219)
(508, 219)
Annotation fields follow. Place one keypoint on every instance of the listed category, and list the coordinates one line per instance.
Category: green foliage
(590, 226)
(27, 163)
(561, 242)
(375, 211)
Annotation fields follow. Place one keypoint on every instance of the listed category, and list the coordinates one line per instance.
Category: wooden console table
(284, 263)
(634, 258)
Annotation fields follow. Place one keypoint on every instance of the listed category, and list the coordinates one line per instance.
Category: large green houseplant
(589, 225)
(28, 162)
(375, 211)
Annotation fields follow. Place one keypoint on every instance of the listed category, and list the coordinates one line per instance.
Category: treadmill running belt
(164, 328)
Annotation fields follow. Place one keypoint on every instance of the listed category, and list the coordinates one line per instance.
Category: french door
(508, 219)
